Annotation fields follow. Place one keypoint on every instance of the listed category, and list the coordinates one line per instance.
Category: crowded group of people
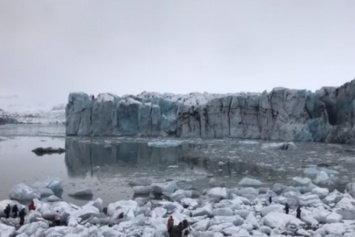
(14, 212)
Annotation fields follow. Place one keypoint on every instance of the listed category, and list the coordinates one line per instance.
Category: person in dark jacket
(7, 210)
(298, 215)
(287, 208)
(14, 211)
(22, 215)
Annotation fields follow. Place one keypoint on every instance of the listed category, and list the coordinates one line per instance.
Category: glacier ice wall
(327, 115)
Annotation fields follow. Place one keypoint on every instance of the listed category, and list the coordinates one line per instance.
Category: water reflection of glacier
(85, 157)
(185, 162)
(227, 160)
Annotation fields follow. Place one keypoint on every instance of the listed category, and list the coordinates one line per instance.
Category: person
(14, 210)
(7, 210)
(22, 215)
(298, 215)
(57, 218)
(185, 227)
(269, 195)
(180, 229)
(170, 224)
(31, 207)
(287, 208)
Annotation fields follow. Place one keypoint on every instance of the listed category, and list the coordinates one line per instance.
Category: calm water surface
(106, 165)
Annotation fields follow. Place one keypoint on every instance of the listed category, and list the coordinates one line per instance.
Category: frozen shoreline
(218, 211)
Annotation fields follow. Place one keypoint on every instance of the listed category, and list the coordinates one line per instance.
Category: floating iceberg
(54, 184)
(250, 182)
(23, 192)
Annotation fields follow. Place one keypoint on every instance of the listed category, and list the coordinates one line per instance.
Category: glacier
(327, 115)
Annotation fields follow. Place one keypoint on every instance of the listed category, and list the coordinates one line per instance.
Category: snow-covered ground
(216, 212)
(25, 111)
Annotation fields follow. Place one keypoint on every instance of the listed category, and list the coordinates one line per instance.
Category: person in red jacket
(170, 224)
(31, 207)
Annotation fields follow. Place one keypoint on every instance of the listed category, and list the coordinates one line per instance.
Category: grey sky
(50, 48)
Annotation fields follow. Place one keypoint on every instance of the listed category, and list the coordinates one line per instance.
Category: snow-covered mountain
(14, 109)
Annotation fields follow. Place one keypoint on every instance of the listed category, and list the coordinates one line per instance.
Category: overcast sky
(49, 48)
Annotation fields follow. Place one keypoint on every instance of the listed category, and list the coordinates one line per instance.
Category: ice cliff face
(282, 114)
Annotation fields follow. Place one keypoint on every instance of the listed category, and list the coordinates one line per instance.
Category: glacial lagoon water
(108, 165)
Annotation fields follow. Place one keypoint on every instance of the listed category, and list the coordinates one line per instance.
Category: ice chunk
(250, 182)
(178, 195)
(53, 198)
(85, 193)
(333, 198)
(34, 228)
(6, 230)
(278, 188)
(322, 178)
(280, 220)
(235, 220)
(223, 212)
(251, 219)
(191, 203)
(219, 227)
(125, 207)
(23, 192)
(249, 193)
(303, 232)
(310, 200)
(142, 190)
(203, 211)
(164, 143)
(298, 181)
(236, 231)
(346, 207)
(249, 142)
(219, 193)
(334, 218)
(350, 188)
(201, 225)
(321, 192)
(98, 203)
(271, 208)
(242, 213)
(335, 229)
(279, 146)
(140, 182)
(54, 184)
(266, 230)
(170, 187)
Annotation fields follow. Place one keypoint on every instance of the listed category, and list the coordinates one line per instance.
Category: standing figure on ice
(7, 210)
(57, 218)
(170, 225)
(14, 211)
(31, 207)
(298, 211)
(287, 208)
(22, 215)
(269, 195)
